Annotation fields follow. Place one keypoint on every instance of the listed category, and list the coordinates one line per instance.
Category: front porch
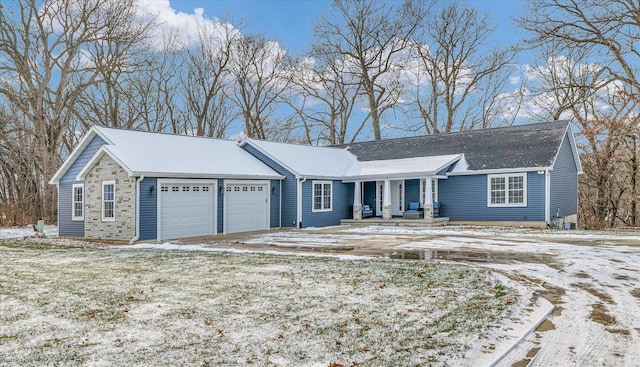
(399, 221)
(397, 200)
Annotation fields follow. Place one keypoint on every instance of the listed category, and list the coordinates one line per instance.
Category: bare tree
(49, 59)
(207, 80)
(455, 77)
(598, 92)
(610, 29)
(324, 97)
(259, 68)
(369, 36)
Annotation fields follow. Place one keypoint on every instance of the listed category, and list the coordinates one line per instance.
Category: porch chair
(414, 211)
(367, 211)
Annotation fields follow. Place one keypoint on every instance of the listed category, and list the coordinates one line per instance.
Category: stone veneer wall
(123, 228)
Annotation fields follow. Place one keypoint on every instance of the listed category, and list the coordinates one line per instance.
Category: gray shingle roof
(533, 145)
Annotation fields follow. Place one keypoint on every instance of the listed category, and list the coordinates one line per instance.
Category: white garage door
(187, 209)
(246, 207)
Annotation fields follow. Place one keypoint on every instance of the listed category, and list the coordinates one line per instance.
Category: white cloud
(173, 28)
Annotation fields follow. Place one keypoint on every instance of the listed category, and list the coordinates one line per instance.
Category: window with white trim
(322, 201)
(507, 190)
(77, 206)
(108, 200)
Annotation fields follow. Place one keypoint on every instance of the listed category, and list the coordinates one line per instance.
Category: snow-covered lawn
(26, 231)
(234, 301)
(107, 306)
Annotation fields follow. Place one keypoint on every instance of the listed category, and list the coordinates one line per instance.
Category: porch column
(386, 200)
(428, 202)
(357, 203)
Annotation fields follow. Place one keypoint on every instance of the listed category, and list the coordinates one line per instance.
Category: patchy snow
(26, 231)
(591, 278)
(208, 248)
(155, 305)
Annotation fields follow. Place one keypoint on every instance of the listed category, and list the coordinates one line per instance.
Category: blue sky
(291, 21)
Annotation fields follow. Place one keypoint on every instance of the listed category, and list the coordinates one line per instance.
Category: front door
(397, 197)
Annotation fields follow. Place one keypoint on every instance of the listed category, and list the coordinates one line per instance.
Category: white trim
(73, 202)
(84, 141)
(269, 155)
(170, 181)
(300, 181)
(574, 149)
(96, 158)
(245, 182)
(499, 171)
(109, 219)
(265, 183)
(506, 190)
(322, 196)
(137, 236)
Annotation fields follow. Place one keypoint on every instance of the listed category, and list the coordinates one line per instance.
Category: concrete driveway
(592, 279)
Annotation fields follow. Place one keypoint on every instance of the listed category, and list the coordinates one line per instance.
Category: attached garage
(186, 208)
(246, 206)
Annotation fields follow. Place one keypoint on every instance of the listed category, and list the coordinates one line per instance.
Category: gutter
(137, 236)
(299, 197)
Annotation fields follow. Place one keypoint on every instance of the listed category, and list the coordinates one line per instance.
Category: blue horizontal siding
(564, 182)
(289, 192)
(83, 159)
(342, 196)
(464, 198)
(274, 214)
(149, 208)
(412, 191)
(369, 195)
(66, 226)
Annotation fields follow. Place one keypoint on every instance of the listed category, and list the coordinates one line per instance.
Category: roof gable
(306, 160)
(168, 155)
(522, 146)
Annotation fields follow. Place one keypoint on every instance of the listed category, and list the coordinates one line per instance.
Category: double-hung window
(507, 190)
(77, 205)
(108, 200)
(322, 196)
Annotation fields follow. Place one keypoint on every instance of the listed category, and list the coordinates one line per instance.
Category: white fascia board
(257, 147)
(498, 171)
(96, 157)
(84, 141)
(402, 175)
(192, 175)
(399, 176)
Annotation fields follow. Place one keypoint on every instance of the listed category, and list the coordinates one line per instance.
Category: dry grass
(115, 307)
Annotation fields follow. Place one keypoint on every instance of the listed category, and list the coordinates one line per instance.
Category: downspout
(280, 206)
(134, 239)
(547, 196)
(299, 211)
